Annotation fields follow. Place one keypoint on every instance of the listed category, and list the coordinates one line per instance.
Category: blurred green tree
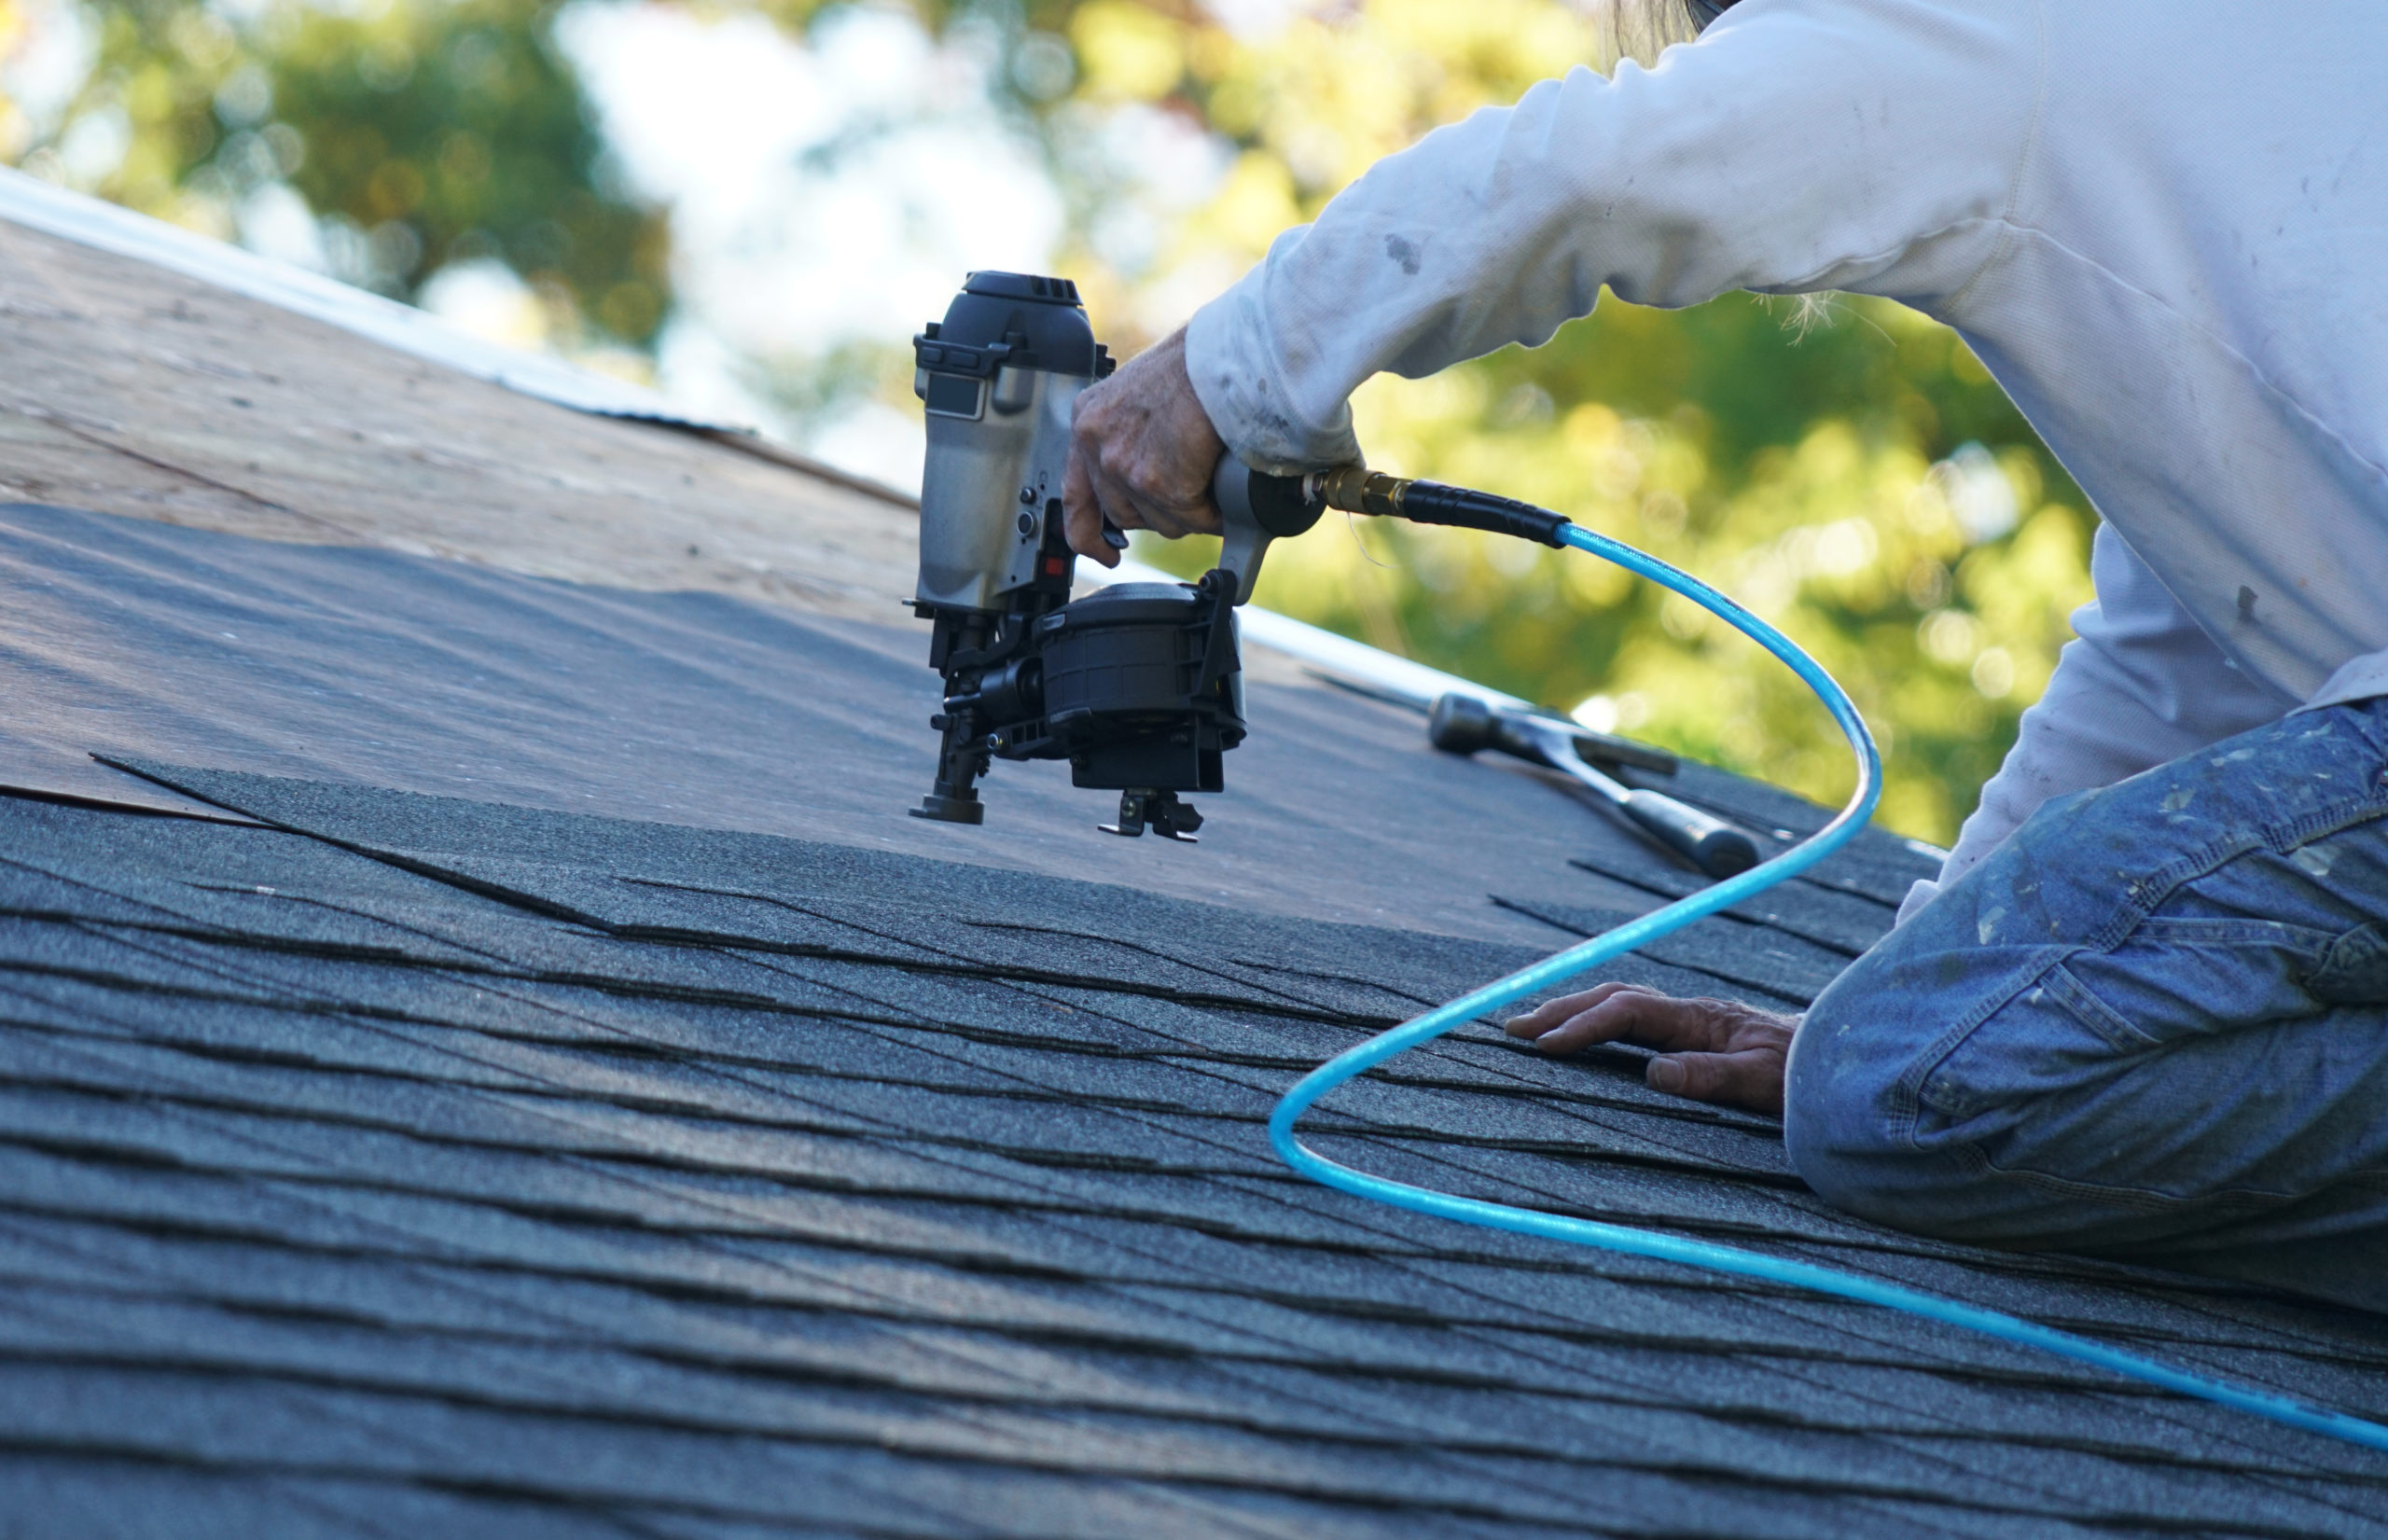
(423, 133)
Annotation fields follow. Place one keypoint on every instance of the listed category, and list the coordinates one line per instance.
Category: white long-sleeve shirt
(2161, 224)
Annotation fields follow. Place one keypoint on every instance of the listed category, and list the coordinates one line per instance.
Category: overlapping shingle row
(461, 1168)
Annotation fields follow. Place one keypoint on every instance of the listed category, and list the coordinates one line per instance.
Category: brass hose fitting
(1355, 489)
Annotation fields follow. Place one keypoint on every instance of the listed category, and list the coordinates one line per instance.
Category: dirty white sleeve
(2141, 684)
(1799, 146)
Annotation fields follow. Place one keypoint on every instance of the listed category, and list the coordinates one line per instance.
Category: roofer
(2146, 1013)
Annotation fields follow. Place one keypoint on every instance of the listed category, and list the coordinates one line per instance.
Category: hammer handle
(1715, 847)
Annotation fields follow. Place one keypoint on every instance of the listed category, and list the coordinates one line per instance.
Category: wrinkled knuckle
(1149, 480)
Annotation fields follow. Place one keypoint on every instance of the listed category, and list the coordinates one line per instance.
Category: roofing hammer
(1463, 723)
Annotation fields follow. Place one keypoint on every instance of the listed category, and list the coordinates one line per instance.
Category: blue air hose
(1648, 928)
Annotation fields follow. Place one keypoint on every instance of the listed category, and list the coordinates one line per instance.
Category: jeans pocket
(2052, 1036)
(2095, 1011)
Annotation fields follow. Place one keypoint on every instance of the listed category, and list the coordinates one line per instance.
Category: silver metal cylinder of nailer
(998, 377)
(992, 479)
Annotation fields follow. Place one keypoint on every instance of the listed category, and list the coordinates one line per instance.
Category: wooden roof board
(136, 391)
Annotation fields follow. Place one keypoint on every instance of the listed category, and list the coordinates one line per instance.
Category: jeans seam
(2147, 1199)
(2145, 894)
(1969, 1156)
(2287, 934)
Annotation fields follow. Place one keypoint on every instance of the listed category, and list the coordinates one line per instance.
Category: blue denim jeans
(2153, 1025)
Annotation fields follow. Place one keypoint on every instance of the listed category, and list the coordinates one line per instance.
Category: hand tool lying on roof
(1460, 724)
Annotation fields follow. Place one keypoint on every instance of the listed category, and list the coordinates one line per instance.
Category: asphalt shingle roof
(400, 1163)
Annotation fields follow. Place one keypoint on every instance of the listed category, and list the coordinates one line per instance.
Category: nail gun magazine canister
(1142, 687)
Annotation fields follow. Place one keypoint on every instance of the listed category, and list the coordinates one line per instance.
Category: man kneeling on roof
(2144, 1012)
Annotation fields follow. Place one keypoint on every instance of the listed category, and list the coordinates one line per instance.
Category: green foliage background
(1829, 468)
(425, 130)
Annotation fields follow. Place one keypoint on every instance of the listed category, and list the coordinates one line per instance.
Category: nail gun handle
(1255, 508)
(1710, 843)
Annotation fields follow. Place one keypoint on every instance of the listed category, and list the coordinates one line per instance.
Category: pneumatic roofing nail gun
(1139, 686)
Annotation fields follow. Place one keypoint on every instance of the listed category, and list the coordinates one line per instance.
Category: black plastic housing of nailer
(1142, 687)
(1138, 686)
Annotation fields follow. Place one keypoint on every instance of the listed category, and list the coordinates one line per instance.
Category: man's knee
(1853, 1112)
(1840, 1124)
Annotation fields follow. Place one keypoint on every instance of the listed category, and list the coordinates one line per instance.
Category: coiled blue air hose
(1649, 927)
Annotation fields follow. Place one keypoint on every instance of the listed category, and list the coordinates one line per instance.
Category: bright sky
(823, 193)
(833, 190)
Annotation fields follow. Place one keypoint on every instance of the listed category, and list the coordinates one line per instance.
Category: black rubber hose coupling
(1358, 491)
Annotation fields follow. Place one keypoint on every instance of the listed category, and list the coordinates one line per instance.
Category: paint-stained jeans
(2153, 1025)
